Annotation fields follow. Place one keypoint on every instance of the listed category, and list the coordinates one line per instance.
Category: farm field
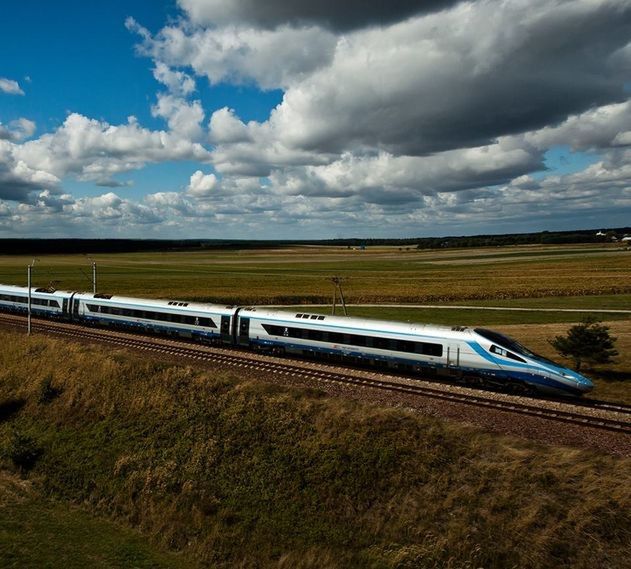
(379, 275)
(591, 278)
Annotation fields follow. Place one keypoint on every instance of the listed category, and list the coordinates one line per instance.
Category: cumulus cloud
(386, 178)
(95, 150)
(408, 115)
(17, 130)
(458, 78)
(241, 55)
(226, 128)
(184, 118)
(178, 82)
(10, 87)
(345, 15)
(18, 179)
(202, 185)
(598, 128)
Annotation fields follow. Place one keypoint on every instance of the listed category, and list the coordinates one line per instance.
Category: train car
(203, 322)
(44, 303)
(476, 356)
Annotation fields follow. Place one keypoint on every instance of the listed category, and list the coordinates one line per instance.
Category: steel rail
(242, 359)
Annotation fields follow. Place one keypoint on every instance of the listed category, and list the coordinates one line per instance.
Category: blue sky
(273, 121)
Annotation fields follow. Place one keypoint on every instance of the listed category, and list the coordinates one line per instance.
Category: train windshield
(510, 344)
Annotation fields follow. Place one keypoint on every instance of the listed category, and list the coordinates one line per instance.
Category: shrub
(23, 451)
(46, 390)
(588, 342)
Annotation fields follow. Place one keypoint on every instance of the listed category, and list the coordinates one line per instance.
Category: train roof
(153, 303)
(34, 290)
(307, 318)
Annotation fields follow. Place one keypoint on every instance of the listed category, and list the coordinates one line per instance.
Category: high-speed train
(472, 355)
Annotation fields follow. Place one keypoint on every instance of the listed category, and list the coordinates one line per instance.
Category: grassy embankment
(243, 473)
(39, 533)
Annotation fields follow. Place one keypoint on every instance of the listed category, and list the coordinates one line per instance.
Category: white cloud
(597, 128)
(17, 130)
(10, 87)
(95, 150)
(18, 179)
(271, 58)
(202, 185)
(178, 82)
(226, 127)
(184, 118)
(460, 77)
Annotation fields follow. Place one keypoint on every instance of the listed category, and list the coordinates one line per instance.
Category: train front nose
(583, 384)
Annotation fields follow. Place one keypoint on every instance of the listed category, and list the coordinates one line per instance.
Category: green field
(302, 275)
(39, 533)
(590, 278)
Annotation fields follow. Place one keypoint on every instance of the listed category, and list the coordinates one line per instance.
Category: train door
(244, 331)
(73, 307)
(225, 329)
(64, 308)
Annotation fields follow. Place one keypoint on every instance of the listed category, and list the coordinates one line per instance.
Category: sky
(296, 119)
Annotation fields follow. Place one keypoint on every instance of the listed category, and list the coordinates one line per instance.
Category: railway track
(573, 412)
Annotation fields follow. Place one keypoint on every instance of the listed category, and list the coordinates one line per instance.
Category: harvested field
(301, 274)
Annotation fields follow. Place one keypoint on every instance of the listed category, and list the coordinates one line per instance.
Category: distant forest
(93, 246)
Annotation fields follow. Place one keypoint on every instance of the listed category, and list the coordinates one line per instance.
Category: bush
(46, 390)
(23, 451)
(588, 342)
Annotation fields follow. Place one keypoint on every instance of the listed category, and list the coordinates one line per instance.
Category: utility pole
(29, 274)
(93, 263)
(337, 287)
(93, 277)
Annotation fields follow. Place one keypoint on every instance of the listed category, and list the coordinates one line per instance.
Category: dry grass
(245, 474)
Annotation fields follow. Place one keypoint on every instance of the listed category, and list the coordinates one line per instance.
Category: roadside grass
(39, 533)
(242, 473)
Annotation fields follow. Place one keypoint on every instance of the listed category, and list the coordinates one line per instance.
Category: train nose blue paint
(583, 383)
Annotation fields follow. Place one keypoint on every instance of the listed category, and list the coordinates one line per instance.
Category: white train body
(475, 355)
(457, 350)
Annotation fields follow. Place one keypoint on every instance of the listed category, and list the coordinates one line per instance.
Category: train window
(336, 338)
(405, 346)
(499, 351)
(273, 330)
(514, 357)
(355, 340)
(314, 317)
(432, 349)
(381, 343)
(305, 316)
(298, 315)
(506, 354)
(320, 317)
(315, 335)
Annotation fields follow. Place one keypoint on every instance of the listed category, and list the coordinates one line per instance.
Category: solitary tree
(588, 342)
